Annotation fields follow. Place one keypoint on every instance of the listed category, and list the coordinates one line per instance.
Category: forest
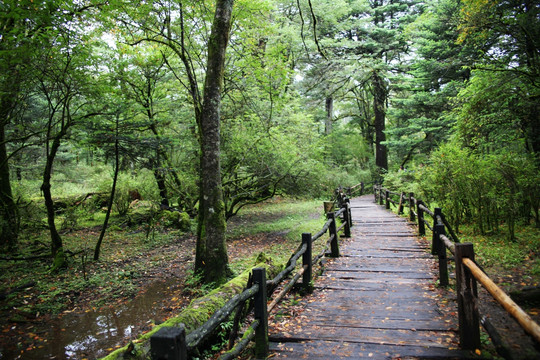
(150, 120)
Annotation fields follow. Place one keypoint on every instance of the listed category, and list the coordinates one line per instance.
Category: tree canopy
(227, 103)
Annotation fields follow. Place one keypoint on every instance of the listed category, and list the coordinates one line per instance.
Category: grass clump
(285, 219)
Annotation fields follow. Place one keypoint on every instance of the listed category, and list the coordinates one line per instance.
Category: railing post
(261, 314)
(348, 219)
(375, 192)
(420, 212)
(334, 246)
(381, 197)
(411, 207)
(387, 197)
(340, 197)
(441, 252)
(401, 198)
(350, 213)
(435, 237)
(169, 343)
(361, 188)
(467, 298)
(306, 260)
(328, 206)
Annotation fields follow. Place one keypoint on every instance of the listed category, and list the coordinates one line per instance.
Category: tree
(97, 249)
(142, 72)
(506, 32)
(63, 84)
(366, 42)
(29, 30)
(421, 110)
(23, 26)
(166, 24)
(211, 256)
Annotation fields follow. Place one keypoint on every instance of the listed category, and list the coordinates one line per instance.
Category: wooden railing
(172, 342)
(468, 272)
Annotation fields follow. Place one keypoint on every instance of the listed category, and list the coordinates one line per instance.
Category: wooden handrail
(448, 243)
(528, 324)
(426, 210)
(201, 333)
(286, 289)
(179, 341)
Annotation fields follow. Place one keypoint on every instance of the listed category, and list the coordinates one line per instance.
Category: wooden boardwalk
(376, 301)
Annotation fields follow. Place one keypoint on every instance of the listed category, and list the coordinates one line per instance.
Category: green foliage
(176, 220)
(482, 189)
(273, 134)
(421, 115)
(406, 180)
(129, 187)
(283, 217)
(497, 255)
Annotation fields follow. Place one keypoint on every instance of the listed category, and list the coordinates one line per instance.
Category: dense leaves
(314, 95)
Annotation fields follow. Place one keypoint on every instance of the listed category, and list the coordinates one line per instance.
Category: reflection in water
(94, 333)
(71, 349)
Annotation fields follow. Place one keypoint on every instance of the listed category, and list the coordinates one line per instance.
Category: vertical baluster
(467, 298)
(261, 314)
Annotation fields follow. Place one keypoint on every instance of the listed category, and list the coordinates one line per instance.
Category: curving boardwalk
(376, 301)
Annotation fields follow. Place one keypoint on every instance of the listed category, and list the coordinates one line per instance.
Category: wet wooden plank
(403, 337)
(432, 324)
(315, 350)
(347, 284)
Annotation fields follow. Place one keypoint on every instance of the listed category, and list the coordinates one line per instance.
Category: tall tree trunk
(97, 250)
(57, 249)
(379, 108)
(9, 219)
(329, 106)
(211, 250)
(159, 173)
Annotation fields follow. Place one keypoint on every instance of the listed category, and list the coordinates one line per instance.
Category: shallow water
(95, 333)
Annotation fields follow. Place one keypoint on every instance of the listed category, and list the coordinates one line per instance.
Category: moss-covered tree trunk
(211, 251)
(197, 313)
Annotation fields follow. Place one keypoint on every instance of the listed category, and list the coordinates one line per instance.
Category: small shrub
(175, 219)
(141, 212)
(142, 183)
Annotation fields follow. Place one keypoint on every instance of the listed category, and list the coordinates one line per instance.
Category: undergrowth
(126, 256)
(285, 218)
